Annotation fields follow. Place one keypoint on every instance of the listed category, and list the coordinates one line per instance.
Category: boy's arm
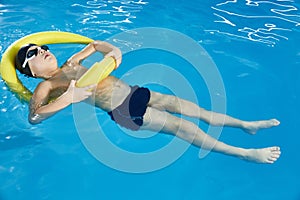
(39, 107)
(100, 46)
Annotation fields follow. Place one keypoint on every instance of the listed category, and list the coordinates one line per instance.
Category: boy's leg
(175, 104)
(157, 120)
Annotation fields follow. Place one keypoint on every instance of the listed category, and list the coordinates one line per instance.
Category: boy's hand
(75, 94)
(116, 54)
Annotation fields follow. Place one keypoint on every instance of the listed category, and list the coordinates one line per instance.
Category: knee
(172, 125)
(172, 103)
(187, 131)
(206, 116)
(182, 127)
(175, 125)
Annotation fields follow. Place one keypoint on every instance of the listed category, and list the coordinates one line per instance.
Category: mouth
(46, 56)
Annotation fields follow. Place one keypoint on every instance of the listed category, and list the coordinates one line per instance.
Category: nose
(41, 51)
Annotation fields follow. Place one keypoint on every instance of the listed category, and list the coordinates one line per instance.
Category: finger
(90, 87)
(88, 94)
(93, 86)
(110, 54)
(117, 62)
(72, 83)
(84, 97)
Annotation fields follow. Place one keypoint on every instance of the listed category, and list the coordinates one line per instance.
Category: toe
(276, 153)
(275, 156)
(273, 159)
(275, 149)
(270, 161)
(277, 122)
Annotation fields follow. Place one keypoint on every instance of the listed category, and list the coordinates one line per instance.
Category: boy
(132, 107)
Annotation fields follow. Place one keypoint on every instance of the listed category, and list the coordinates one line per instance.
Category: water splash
(270, 27)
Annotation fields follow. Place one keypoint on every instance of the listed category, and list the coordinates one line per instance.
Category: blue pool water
(255, 46)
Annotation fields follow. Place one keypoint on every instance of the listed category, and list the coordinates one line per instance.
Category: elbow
(35, 119)
(97, 44)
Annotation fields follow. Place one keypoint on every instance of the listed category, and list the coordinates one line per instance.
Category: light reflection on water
(106, 16)
(240, 20)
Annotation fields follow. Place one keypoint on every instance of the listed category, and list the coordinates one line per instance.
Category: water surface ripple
(239, 19)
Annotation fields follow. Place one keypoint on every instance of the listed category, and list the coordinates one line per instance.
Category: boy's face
(43, 62)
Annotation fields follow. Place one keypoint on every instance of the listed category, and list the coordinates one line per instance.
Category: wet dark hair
(20, 58)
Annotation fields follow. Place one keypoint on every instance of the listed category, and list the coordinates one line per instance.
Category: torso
(109, 94)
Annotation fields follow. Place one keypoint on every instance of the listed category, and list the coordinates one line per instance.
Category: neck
(52, 74)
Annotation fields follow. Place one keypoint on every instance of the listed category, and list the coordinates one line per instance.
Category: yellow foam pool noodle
(97, 72)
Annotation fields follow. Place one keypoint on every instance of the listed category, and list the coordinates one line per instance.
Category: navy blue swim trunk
(130, 113)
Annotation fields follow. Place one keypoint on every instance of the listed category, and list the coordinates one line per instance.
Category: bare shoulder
(43, 87)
